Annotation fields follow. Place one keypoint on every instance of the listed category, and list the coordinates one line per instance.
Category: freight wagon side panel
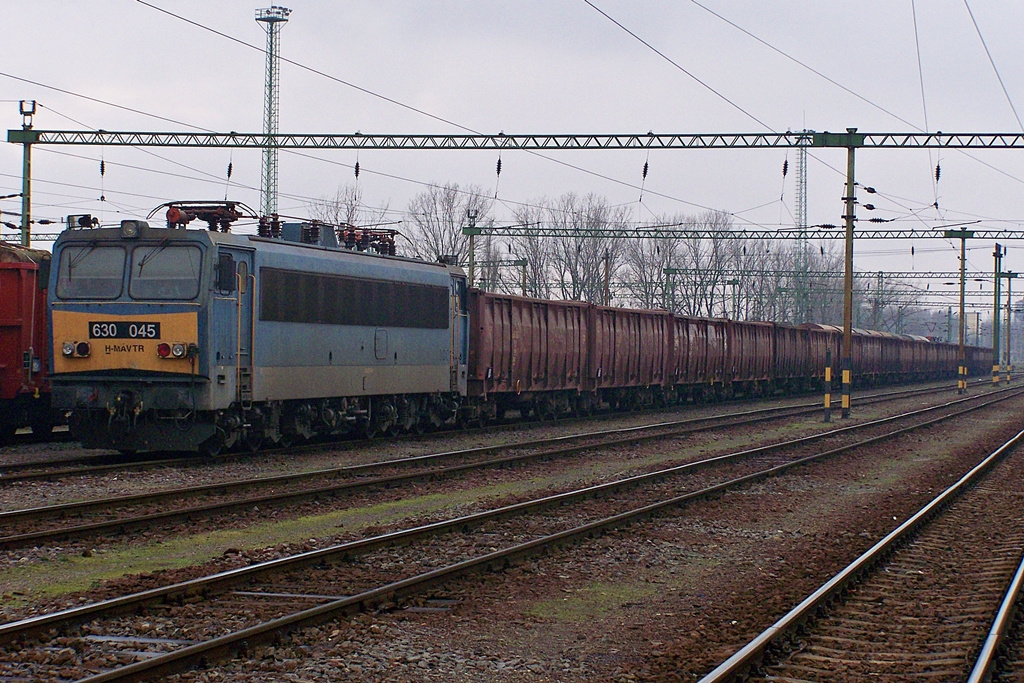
(22, 327)
(519, 344)
(750, 351)
(629, 347)
(790, 353)
(717, 351)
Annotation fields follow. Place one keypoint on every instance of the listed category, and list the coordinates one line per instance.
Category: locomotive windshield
(157, 272)
(90, 272)
(165, 272)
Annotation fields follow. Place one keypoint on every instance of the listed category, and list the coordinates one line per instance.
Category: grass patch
(69, 574)
(595, 601)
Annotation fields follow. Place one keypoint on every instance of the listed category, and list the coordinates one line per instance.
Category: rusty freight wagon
(629, 355)
(527, 355)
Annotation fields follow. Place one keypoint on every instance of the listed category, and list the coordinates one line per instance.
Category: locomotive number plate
(124, 330)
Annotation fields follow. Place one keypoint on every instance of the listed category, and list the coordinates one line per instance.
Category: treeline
(712, 276)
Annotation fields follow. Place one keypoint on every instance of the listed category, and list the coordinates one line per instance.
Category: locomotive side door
(459, 327)
(233, 325)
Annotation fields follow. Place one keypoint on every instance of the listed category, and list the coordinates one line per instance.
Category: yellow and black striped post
(961, 383)
(995, 373)
(844, 366)
(828, 386)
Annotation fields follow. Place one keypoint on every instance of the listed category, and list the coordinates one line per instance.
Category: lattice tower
(272, 18)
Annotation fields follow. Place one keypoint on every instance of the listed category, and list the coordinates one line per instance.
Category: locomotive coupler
(124, 408)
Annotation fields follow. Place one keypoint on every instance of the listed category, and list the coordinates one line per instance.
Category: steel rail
(985, 665)
(739, 664)
(211, 584)
(14, 472)
(243, 640)
(633, 435)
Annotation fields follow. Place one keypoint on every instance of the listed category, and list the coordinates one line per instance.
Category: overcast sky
(534, 67)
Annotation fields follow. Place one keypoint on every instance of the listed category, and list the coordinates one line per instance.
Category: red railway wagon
(821, 340)
(629, 351)
(696, 365)
(24, 351)
(792, 360)
(527, 354)
(751, 354)
(707, 347)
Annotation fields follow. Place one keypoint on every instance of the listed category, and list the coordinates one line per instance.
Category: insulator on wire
(938, 172)
(498, 169)
(785, 167)
(103, 167)
(356, 168)
(230, 168)
(911, 249)
(646, 166)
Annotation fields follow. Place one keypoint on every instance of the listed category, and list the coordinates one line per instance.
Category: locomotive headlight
(178, 350)
(68, 348)
(82, 349)
(130, 229)
(163, 349)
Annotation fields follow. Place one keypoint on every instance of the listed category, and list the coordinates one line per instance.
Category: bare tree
(578, 258)
(644, 264)
(438, 215)
(346, 207)
(702, 288)
(536, 250)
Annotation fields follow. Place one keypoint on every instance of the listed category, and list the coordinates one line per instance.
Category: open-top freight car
(24, 350)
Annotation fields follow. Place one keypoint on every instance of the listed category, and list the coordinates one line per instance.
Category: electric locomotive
(168, 338)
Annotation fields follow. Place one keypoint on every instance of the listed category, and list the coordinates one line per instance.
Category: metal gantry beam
(553, 141)
(893, 274)
(663, 232)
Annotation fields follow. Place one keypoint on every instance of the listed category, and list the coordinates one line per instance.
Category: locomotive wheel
(213, 446)
(253, 440)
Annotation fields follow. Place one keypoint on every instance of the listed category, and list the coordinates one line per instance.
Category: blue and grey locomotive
(167, 338)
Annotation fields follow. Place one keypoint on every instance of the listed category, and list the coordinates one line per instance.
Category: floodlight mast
(272, 19)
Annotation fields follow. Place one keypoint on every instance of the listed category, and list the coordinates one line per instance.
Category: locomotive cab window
(225, 273)
(90, 272)
(161, 271)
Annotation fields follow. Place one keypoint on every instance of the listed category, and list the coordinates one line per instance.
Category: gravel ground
(664, 600)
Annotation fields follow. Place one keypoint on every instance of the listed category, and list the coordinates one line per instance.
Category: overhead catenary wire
(992, 61)
(641, 187)
(924, 107)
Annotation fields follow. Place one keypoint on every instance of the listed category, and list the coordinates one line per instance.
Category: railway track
(55, 469)
(186, 625)
(42, 526)
(919, 604)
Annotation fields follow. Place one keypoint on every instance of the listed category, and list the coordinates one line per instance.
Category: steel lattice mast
(272, 19)
(803, 258)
